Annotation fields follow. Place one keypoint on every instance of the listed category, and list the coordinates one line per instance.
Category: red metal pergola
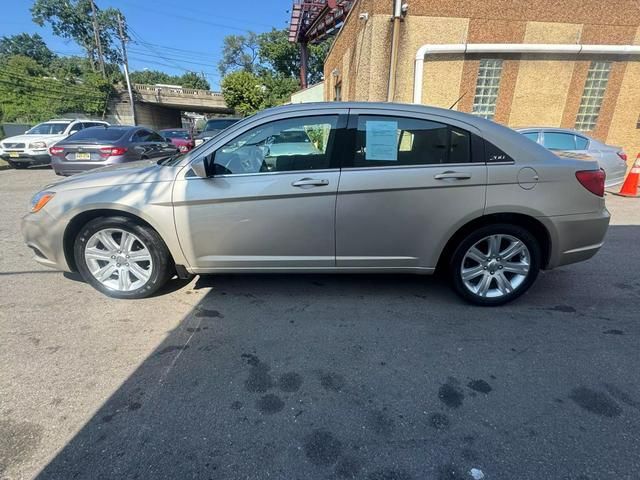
(312, 21)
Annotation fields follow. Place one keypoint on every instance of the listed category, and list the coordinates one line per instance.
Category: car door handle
(310, 182)
(450, 175)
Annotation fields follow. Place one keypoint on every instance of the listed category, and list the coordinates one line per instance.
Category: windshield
(48, 129)
(175, 134)
(218, 124)
(98, 134)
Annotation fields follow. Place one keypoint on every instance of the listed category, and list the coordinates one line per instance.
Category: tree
(239, 52)
(29, 93)
(243, 91)
(278, 54)
(31, 46)
(73, 19)
(193, 80)
(151, 77)
(277, 88)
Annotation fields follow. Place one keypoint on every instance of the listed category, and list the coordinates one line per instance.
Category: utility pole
(123, 39)
(96, 35)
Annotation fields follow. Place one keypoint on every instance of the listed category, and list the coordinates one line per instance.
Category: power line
(232, 19)
(140, 52)
(165, 13)
(16, 75)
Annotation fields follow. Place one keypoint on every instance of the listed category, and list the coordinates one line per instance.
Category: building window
(594, 88)
(337, 92)
(484, 103)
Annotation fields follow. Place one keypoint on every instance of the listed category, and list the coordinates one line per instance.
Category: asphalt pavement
(319, 376)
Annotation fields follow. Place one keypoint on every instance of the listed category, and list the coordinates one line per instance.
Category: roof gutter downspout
(433, 49)
(395, 44)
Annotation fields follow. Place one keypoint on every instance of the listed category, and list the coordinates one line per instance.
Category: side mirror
(199, 168)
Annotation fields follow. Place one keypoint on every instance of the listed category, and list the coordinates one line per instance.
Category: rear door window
(142, 136)
(531, 135)
(559, 141)
(401, 141)
(582, 143)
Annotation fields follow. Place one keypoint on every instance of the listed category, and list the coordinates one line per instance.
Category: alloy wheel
(118, 259)
(495, 266)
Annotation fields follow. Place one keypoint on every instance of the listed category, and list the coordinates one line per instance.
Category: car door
(264, 207)
(161, 146)
(141, 144)
(412, 181)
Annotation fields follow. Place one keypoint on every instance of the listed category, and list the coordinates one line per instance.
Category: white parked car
(32, 148)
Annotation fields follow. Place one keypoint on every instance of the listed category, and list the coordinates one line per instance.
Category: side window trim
(476, 142)
(335, 153)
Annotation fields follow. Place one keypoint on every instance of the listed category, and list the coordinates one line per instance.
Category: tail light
(592, 180)
(622, 155)
(112, 151)
(55, 151)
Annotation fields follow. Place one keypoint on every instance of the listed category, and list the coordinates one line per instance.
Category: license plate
(14, 154)
(83, 156)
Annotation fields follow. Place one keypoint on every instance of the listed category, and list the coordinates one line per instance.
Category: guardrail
(174, 92)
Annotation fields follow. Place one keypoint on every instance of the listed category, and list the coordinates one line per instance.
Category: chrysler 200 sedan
(385, 188)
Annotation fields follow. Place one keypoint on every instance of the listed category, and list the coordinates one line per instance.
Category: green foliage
(272, 65)
(277, 88)
(193, 80)
(31, 46)
(28, 93)
(243, 92)
(73, 19)
(239, 52)
(152, 77)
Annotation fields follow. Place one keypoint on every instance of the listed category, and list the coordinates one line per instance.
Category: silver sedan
(385, 188)
(613, 160)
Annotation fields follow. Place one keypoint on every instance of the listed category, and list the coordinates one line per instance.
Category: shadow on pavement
(381, 377)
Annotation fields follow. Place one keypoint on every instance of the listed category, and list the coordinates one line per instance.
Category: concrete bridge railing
(171, 91)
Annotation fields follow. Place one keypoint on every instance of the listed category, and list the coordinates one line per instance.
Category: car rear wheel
(122, 258)
(18, 165)
(495, 264)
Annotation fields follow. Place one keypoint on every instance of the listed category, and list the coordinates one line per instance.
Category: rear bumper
(65, 167)
(575, 238)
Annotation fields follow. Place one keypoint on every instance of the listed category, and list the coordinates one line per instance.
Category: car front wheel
(122, 258)
(495, 264)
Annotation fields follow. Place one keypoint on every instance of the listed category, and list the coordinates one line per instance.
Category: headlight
(36, 145)
(40, 199)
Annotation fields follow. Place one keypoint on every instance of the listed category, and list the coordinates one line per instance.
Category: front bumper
(34, 158)
(575, 238)
(44, 236)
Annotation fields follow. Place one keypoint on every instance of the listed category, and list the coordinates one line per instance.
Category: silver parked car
(100, 146)
(612, 159)
(385, 188)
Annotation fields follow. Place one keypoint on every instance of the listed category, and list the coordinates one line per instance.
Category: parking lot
(303, 377)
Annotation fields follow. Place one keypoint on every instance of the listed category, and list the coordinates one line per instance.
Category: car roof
(551, 129)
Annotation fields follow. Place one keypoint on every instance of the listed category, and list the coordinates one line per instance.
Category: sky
(166, 36)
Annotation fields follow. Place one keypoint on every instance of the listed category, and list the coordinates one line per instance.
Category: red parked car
(180, 137)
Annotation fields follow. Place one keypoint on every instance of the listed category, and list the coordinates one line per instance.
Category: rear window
(175, 134)
(218, 124)
(48, 129)
(559, 141)
(98, 134)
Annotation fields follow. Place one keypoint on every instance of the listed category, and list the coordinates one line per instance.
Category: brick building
(568, 63)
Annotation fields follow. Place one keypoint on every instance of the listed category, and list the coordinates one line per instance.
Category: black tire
(455, 264)
(18, 165)
(162, 266)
